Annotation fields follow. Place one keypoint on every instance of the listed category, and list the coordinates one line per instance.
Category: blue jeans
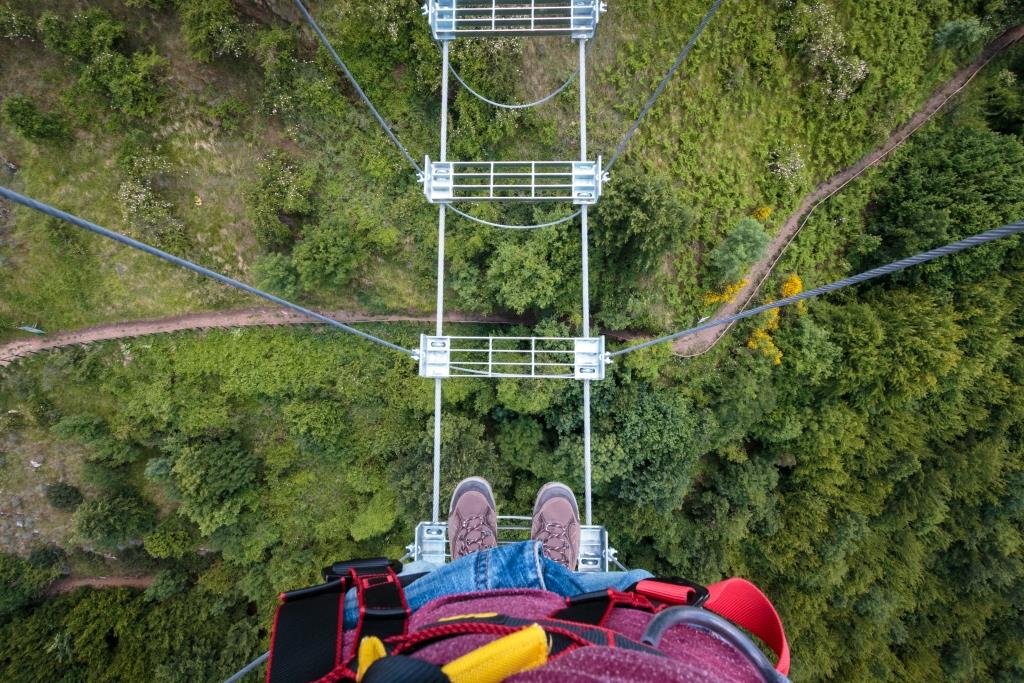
(516, 565)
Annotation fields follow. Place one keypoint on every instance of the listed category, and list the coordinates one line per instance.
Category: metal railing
(530, 181)
(513, 357)
(431, 543)
(450, 19)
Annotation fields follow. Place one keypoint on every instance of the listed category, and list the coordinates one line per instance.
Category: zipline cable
(923, 257)
(355, 84)
(241, 673)
(506, 226)
(170, 258)
(664, 83)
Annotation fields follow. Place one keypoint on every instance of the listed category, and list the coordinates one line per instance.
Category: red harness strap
(738, 600)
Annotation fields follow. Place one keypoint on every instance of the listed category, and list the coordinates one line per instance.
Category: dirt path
(701, 342)
(70, 583)
(246, 317)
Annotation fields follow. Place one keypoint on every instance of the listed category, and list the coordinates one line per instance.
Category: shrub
(279, 198)
(276, 274)
(962, 37)
(130, 84)
(166, 584)
(745, 244)
(63, 496)
(211, 29)
(15, 24)
(173, 537)
(26, 118)
(81, 36)
(20, 582)
(114, 520)
(47, 556)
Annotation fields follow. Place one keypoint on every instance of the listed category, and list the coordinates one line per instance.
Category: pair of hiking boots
(473, 521)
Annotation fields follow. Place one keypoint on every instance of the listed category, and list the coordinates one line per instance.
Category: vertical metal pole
(439, 331)
(585, 264)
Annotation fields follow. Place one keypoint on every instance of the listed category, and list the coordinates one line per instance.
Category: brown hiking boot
(472, 520)
(556, 523)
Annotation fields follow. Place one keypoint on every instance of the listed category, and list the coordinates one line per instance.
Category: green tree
(20, 583)
(745, 244)
(114, 520)
(216, 481)
(63, 496)
(962, 37)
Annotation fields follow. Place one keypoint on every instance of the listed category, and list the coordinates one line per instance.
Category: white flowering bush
(838, 71)
(15, 24)
(147, 215)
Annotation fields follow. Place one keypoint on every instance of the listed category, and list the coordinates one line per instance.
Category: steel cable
(664, 83)
(895, 266)
(355, 84)
(178, 261)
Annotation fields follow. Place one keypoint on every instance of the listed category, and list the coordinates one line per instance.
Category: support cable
(241, 673)
(664, 83)
(506, 226)
(536, 103)
(355, 84)
(206, 272)
(895, 266)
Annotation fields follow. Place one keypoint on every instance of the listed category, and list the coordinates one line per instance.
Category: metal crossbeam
(431, 543)
(450, 19)
(581, 358)
(530, 181)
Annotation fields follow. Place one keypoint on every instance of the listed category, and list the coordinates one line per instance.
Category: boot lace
(555, 538)
(473, 533)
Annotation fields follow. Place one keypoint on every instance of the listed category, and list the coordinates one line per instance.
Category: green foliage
(63, 496)
(280, 199)
(215, 481)
(174, 538)
(744, 245)
(47, 557)
(24, 116)
(276, 274)
(131, 85)
(114, 520)
(962, 37)
(959, 181)
(20, 583)
(211, 29)
(166, 584)
(15, 24)
(82, 36)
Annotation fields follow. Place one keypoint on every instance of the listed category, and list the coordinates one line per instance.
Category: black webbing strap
(306, 643)
(399, 669)
(595, 608)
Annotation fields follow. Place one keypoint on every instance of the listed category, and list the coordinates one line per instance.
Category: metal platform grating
(580, 358)
(431, 543)
(450, 19)
(530, 181)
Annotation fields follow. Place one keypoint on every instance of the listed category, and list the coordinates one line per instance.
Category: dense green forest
(861, 457)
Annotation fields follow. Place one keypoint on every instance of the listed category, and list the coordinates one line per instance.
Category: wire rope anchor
(450, 19)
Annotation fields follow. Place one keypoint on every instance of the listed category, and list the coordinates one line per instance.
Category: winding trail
(245, 317)
(70, 583)
(703, 341)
